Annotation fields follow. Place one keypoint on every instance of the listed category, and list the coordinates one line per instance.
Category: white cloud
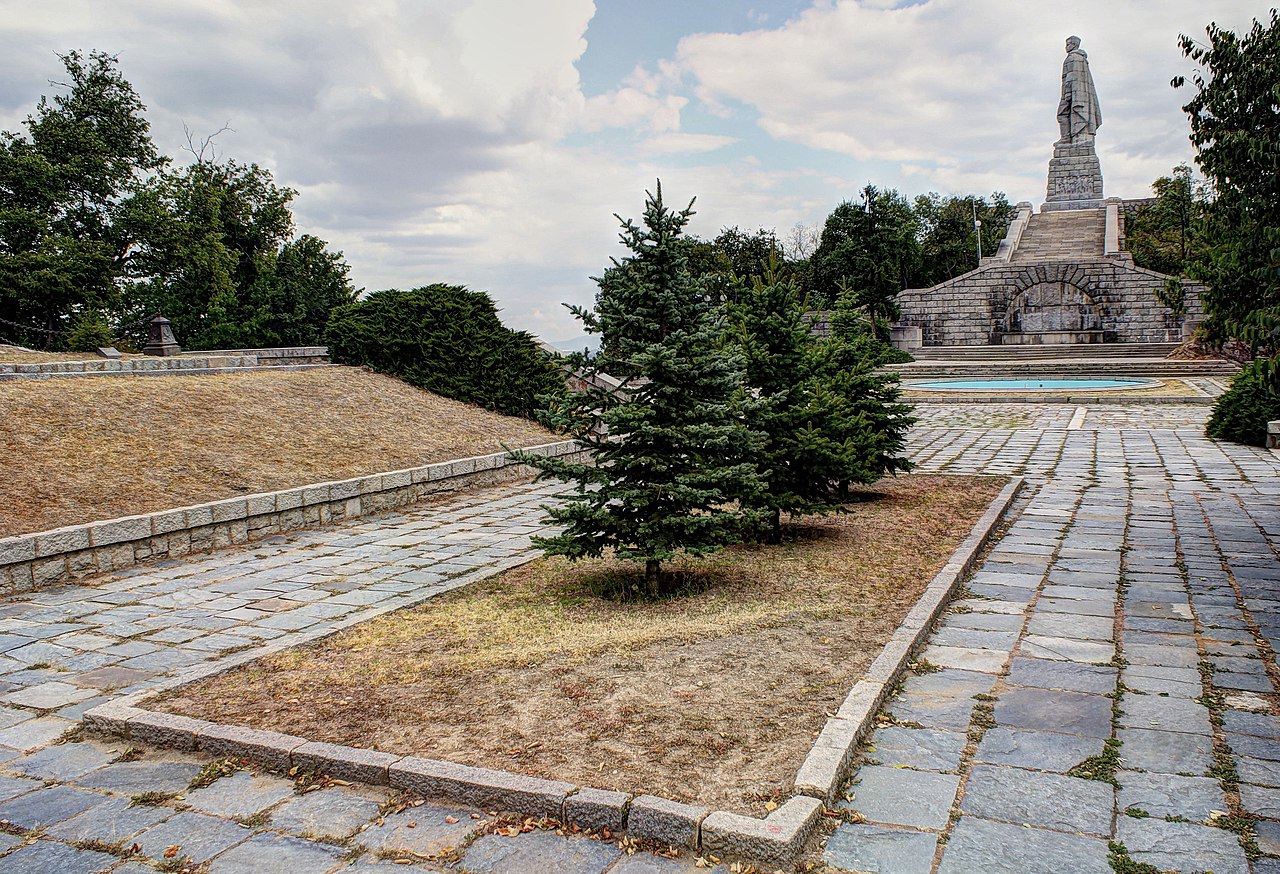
(450, 140)
(962, 91)
(675, 142)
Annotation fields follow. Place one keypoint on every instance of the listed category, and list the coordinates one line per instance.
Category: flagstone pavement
(1104, 688)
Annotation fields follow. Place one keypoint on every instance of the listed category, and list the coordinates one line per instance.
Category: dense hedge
(448, 340)
(1242, 412)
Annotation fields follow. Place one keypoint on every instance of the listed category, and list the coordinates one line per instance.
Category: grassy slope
(83, 449)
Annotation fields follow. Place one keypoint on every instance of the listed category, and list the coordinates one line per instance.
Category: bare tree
(198, 150)
(801, 241)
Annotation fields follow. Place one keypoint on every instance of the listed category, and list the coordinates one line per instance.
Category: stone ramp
(1067, 235)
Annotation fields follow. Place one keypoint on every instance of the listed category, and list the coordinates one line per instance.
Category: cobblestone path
(1123, 627)
(1122, 630)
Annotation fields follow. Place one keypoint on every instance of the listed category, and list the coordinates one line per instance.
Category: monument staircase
(1065, 235)
(1061, 361)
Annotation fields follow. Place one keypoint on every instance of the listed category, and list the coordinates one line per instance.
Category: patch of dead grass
(713, 696)
(84, 449)
(15, 355)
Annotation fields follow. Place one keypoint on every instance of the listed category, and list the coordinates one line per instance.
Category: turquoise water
(1026, 384)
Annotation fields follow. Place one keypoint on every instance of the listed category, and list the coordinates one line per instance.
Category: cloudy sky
(489, 142)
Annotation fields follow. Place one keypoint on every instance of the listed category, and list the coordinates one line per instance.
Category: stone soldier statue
(1079, 115)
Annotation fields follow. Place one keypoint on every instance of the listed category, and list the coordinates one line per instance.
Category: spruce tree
(826, 418)
(673, 467)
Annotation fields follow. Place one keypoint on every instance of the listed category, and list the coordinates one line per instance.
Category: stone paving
(1123, 627)
(1122, 630)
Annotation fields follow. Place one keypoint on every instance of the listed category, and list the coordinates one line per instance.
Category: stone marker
(160, 339)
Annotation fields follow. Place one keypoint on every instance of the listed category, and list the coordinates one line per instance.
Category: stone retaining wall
(973, 309)
(213, 361)
(277, 355)
(47, 558)
(124, 366)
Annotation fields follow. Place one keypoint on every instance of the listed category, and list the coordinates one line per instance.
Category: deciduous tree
(64, 186)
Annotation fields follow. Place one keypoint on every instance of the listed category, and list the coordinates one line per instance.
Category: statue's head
(1073, 43)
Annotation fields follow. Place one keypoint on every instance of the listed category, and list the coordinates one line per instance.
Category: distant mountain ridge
(576, 344)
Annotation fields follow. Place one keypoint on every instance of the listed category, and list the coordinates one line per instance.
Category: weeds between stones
(213, 771)
(151, 798)
(1101, 767)
(114, 848)
(1122, 863)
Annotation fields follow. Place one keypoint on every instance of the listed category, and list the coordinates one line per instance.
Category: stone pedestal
(1075, 177)
(160, 339)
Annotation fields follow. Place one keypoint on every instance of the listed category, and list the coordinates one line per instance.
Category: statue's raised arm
(1079, 115)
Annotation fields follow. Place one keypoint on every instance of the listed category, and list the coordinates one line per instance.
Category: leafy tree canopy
(869, 251)
(1165, 235)
(449, 340)
(97, 227)
(64, 185)
(1235, 127)
(948, 246)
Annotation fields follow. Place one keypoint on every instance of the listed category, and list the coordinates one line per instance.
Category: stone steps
(1063, 369)
(1063, 351)
(1068, 235)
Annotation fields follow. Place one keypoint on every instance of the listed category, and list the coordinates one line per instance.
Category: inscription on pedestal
(1075, 177)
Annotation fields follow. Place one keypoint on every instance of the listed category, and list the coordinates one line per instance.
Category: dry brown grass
(82, 449)
(14, 355)
(713, 696)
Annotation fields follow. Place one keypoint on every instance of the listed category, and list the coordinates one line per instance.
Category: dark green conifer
(674, 460)
(828, 419)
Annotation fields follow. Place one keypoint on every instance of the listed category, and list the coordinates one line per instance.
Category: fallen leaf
(172, 851)
(452, 819)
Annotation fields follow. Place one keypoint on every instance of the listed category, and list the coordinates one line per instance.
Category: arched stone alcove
(1056, 311)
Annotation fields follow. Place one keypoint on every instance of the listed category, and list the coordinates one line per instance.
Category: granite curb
(46, 558)
(827, 766)
(1086, 400)
(184, 371)
(777, 838)
(174, 364)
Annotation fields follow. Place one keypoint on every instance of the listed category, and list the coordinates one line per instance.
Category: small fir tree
(673, 464)
(827, 420)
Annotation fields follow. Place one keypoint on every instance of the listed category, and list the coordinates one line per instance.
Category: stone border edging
(45, 558)
(1075, 400)
(828, 763)
(776, 839)
(168, 365)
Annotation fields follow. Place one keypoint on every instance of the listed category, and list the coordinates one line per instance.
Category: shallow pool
(1028, 384)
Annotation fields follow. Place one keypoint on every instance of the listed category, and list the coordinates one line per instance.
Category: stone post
(160, 339)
